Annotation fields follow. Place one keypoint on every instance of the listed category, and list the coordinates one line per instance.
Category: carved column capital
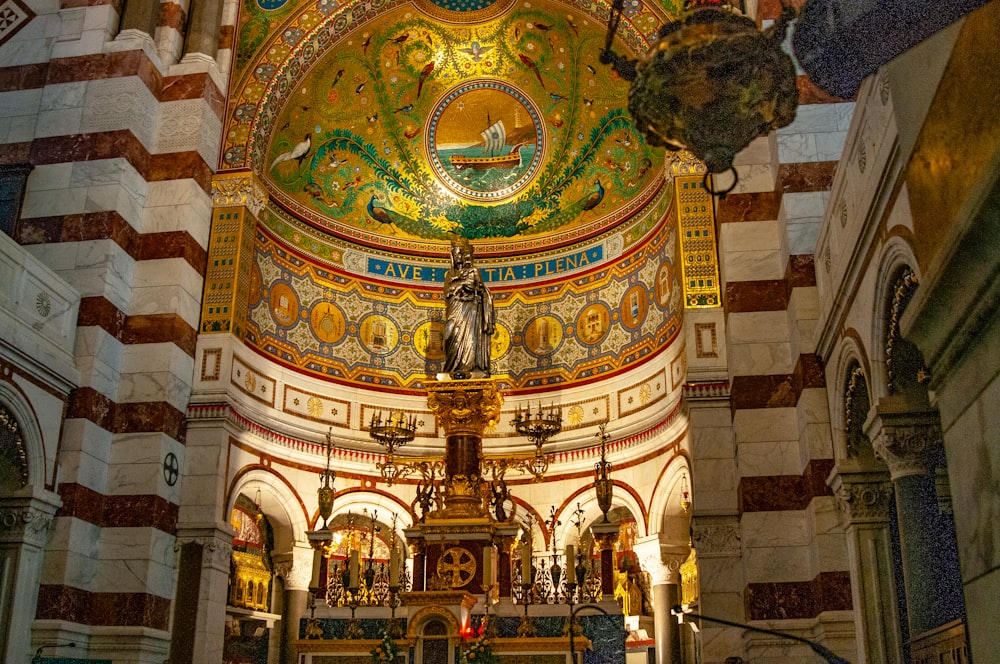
(863, 497)
(216, 545)
(239, 189)
(661, 561)
(25, 523)
(904, 441)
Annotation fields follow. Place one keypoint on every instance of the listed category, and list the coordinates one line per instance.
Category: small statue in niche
(469, 316)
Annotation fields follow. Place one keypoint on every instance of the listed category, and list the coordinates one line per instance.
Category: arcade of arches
(227, 228)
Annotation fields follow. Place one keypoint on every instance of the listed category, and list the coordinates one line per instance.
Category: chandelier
(392, 433)
(538, 427)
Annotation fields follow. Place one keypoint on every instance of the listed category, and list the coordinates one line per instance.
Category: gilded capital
(239, 189)
(467, 407)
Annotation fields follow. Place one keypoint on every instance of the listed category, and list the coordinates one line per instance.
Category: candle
(355, 569)
(317, 560)
(394, 568)
(487, 565)
(526, 563)
(570, 558)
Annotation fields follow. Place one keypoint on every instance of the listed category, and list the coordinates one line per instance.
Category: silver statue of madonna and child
(469, 316)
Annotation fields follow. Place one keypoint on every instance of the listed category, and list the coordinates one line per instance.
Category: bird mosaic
(367, 159)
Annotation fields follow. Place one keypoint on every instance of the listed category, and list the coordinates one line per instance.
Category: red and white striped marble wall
(123, 137)
(766, 525)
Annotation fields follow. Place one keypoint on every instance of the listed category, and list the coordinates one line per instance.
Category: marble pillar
(663, 563)
(910, 443)
(25, 524)
(297, 573)
(865, 498)
(203, 580)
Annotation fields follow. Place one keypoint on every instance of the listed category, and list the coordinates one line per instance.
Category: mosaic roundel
(284, 304)
(593, 323)
(543, 335)
(327, 322)
(484, 139)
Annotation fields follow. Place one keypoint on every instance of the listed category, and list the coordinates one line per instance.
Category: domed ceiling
(384, 129)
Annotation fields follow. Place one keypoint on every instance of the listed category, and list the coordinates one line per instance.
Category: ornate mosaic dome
(384, 129)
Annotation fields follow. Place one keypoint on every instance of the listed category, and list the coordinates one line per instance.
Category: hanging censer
(710, 84)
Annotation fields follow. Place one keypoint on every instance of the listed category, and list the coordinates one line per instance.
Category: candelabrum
(603, 484)
(537, 426)
(489, 628)
(394, 630)
(326, 492)
(392, 433)
(354, 630)
(526, 628)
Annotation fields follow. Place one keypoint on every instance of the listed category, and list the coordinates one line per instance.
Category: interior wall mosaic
(380, 123)
(594, 321)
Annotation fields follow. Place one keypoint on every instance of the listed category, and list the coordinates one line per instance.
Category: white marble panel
(812, 118)
(71, 554)
(48, 177)
(754, 425)
(775, 529)
(20, 102)
(761, 150)
(817, 442)
(755, 178)
(173, 205)
(102, 268)
(982, 592)
(59, 122)
(753, 265)
(121, 103)
(766, 459)
(112, 184)
(156, 372)
(844, 112)
(18, 130)
(778, 564)
(720, 575)
(137, 465)
(168, 285)
(796, 148)
(98, 359)
(712, 442)
(806, 204)
(803, 233)
(136, 560)
(830, 145)
(761, 359)
(758, 327)
(750, 236)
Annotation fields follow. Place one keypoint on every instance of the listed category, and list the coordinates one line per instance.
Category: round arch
(278, 501)
(849, 352)
(31, 434)
(667, 516)
(896, 255)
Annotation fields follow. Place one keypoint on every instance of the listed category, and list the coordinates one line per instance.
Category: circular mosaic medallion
(543, 335)
(633, 306)
(593, 323)
(327, 322)
(664, 283)
(284, 304)
(429, 340)
(379, 334)
(499, 342)
(485, 140)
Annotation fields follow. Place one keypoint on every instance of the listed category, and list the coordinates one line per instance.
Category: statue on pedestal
(470, 317)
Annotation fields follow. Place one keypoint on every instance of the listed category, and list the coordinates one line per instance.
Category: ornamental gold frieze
(467, 407)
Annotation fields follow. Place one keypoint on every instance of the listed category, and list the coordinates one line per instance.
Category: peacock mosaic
(376, 122)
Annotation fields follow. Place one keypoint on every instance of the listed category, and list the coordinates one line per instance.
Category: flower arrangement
(478, 651)
(386, 651)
